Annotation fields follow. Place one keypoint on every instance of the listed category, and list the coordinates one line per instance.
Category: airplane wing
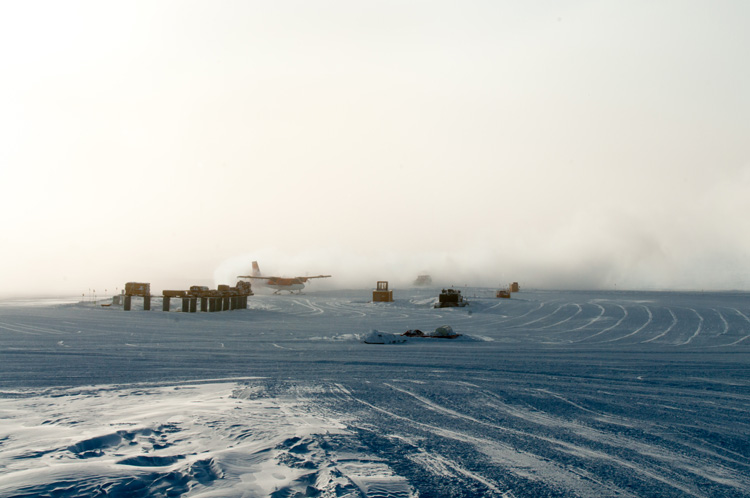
(280, 278)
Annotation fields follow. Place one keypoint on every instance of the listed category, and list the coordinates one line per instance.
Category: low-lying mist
(616, 266)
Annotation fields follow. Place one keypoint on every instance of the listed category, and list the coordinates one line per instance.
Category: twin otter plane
(280, 283)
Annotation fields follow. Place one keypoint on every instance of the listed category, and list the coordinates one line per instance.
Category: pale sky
(561, 144)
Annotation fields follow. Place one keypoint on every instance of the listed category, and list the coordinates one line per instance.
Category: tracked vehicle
(451, 298)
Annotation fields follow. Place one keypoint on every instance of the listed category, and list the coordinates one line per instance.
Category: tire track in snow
(725, 329)
(658, 452)
(724, 321)
(541, 305)
(671, 463)
(29, 329)
(14, 328)
(445, 433)
(697, 331)
(566, 400)
(431, 460)
(496, 305)
(566, 319)
(542, 465)
(670, 468)
(315, 310)
(345, 308)
(650, 319)
(624, 316)
(491, 320)
(671, 326)
(526, 324)
(519, 460)
(593, 320)
(543, 317)
(742, 338)
(521, 463)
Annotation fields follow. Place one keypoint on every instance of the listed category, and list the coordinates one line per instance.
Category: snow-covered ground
(587, 394)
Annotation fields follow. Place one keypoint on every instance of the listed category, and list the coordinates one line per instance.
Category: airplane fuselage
(285, 284)
(290, 284)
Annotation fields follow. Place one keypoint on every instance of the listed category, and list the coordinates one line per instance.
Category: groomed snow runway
(584, 394)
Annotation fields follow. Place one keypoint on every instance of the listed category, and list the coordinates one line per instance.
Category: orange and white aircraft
(290, 284)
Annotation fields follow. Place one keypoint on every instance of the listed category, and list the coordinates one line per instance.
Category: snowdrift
(377, 337)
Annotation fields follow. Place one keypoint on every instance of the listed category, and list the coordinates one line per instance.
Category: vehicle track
(697, 330)
(666, 331)
(648, 322)
(624, 316)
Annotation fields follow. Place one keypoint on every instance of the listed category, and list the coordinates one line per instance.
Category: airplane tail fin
(256, 269)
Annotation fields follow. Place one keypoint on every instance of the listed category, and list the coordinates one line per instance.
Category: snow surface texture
(546, 394)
